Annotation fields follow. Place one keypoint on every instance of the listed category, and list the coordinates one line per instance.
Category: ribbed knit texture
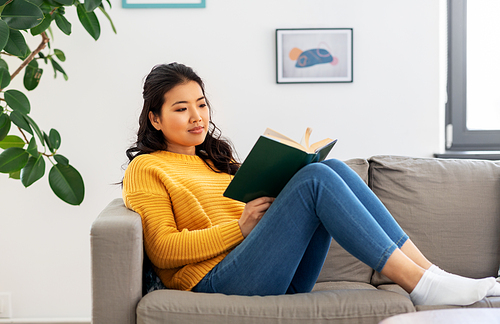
(189, 227)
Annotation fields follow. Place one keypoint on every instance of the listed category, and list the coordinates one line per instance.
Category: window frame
(462, 139)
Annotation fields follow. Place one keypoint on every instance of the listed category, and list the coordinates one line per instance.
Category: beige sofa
(450, 209)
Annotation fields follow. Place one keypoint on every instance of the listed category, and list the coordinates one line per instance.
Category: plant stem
(43, 43)
(48, 155)
(5, 53)
(25, 138)
(27, 142)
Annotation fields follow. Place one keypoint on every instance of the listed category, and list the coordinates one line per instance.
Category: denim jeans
(285, 252)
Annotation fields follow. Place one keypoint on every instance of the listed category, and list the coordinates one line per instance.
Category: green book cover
(268, 168)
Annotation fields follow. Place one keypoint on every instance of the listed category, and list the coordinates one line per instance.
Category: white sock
(494, 291)
(435, 289)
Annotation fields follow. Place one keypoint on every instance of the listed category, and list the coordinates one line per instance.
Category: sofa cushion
(339, 264)
(339, 306)
(449, 208)
(360, 166)
(341, 285)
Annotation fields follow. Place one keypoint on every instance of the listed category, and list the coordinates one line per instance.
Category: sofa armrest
(117, 256)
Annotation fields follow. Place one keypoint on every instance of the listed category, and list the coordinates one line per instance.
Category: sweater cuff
(231, 234)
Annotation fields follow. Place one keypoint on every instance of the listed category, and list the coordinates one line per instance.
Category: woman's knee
(317, 168)
(318, 173)
(334, 164)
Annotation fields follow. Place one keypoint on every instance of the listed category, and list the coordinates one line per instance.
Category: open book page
(283, 139)
(275, 134)
(304, 145)
(318, 145)
(305, 139)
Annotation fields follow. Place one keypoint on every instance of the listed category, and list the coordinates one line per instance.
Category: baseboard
(72, 320)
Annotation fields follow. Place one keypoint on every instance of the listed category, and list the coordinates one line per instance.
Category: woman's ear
(154, 120)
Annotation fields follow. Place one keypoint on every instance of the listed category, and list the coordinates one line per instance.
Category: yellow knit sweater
(189, 227)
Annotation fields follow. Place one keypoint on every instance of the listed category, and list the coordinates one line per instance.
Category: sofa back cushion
(449, 208)
(339, 264)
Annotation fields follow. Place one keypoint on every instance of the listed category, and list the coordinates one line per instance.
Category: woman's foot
(494, 291)
(437, 289)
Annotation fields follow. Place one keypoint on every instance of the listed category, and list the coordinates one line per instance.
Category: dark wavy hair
(159, 81)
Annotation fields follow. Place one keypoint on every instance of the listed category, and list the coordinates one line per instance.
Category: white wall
(392, 107)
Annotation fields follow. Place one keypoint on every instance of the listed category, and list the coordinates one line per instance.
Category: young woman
(201, 241)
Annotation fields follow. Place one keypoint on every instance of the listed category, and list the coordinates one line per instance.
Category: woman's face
(184, 118)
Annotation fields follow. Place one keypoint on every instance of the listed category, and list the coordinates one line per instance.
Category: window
(473, 106)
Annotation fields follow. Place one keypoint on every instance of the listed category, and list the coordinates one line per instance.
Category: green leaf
(60, 55)
(63, 23)
(109, 18)
(28, 52)
(4, 34)
(38, 3)
(91, 5)
(33, 171)
(15, 175)
(55, 139)
(16, 45)
(35, 127)
(4, 125)
(67, 183)
(2, 2)
(21, 15)
(40, 54)
(66, 2)
(32, 76)
(11, 141)
(47, 141)
(61, 159)
(52, 5)
(33, 148)
(17, 101)
(89, 21)
(13, 159)
(4, 64)
(57, 67)
(45, 6)
(62, 10)
(4, 78)
(33, 63)
(37, 30)
(19, 119)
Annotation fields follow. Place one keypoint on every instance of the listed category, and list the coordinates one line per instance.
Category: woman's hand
(253, 212)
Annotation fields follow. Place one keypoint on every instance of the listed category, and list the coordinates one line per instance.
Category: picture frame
(314, 55)
(163, 3)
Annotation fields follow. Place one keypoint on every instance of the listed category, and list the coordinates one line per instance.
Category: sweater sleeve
(166, 245)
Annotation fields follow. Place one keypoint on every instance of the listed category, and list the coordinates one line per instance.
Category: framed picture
(314, 55)
(163, 3)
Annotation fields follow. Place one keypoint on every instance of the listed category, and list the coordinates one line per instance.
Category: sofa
(449, 208)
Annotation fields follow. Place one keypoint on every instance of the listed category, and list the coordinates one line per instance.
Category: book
(272, 162)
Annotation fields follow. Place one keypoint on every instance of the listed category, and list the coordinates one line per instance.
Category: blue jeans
(285, 252)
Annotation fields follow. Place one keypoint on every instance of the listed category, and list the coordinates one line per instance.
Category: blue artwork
(311, 57)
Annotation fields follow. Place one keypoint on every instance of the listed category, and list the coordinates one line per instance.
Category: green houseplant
(23, 157)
